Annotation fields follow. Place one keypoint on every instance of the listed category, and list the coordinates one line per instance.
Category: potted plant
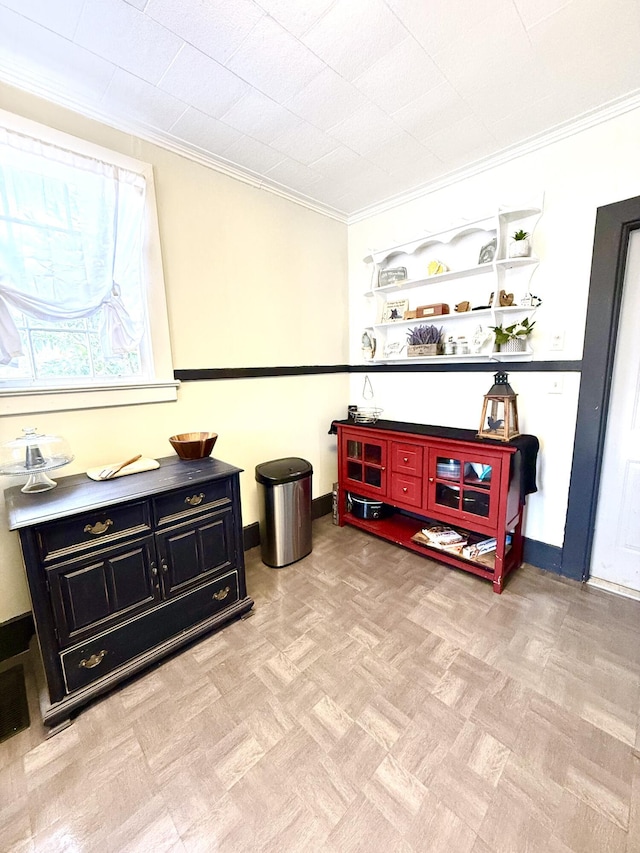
(513, 338)
(520, 247)
(423, 340)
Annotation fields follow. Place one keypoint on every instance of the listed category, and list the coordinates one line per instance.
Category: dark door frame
(614, 225)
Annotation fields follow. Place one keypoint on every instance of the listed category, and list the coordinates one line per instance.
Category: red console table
(427, 475)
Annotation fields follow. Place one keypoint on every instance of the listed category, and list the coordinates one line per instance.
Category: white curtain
(71, 242)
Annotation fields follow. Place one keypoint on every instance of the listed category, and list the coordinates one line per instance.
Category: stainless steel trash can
(285, 510)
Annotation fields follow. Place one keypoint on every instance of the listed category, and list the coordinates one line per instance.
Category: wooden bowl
(193, 445)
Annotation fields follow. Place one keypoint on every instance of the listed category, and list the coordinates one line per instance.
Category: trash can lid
(283, 470)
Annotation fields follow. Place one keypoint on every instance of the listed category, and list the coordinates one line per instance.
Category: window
(82, 306)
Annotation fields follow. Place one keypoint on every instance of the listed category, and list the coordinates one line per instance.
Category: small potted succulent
(513, 338)
(423, 341)
(520, 247)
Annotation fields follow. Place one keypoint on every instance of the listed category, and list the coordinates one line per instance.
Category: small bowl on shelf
(193, 445)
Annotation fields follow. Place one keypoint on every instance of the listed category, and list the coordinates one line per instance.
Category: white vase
(520, 248)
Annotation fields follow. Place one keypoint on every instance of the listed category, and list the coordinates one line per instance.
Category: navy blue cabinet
(123, 572)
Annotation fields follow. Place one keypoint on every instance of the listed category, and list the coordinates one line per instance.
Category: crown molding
(562, 131)
(34, 86)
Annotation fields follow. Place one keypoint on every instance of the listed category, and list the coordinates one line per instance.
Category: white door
(615, 559)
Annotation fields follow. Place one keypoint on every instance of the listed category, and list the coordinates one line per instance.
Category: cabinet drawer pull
(99, 527)
(405, 459)
(94, 660)
(222, 594)
(431, 479)
(405, 489)
(195, 500)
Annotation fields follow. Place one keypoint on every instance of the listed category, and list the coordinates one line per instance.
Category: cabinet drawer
(406, 458)
(99, 656)
(73, 535)
(407, 490)
(183, 503)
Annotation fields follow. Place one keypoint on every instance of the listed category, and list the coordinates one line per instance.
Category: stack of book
(445, 538)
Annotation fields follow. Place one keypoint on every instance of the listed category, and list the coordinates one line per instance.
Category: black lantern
(499, 412)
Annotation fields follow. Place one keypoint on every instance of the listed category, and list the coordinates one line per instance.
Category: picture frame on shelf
(394, 309)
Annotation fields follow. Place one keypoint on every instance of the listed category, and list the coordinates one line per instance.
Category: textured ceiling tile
(438, 22)
(139, 4)
(438, 108)
(134, 98)
(401, 149)
(297, 17)
(336, 162)
(126, 37)
(56, 63)
(488, 53)
(451, 142)
(528, 120)
(59, 16)
(304, 143)
(252, 155)
(492, 103)
(289, 173)
(534, 11)
(275, 62)
(365, 129)
(260, 117)
(409, 175)
(204, 132)
(354, 34)
(202, 82)
(594, 57)
(326, 100)
(216, 28)
(400, 76)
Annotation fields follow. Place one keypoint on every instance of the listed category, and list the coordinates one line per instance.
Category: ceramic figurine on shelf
(368, 345)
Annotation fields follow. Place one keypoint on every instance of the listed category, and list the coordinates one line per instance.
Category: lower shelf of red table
(400, 529)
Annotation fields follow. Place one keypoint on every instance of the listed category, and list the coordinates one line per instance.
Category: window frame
(17, 400)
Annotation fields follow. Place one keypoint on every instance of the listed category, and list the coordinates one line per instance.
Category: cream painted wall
(596, 167)
(251, 280)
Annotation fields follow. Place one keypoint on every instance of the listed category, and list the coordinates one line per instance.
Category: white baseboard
(616, 588)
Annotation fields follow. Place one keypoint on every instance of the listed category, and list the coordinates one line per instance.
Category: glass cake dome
(34, 454)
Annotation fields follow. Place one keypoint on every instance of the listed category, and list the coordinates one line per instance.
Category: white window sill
(36, 400)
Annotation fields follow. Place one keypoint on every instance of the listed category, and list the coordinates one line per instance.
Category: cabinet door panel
(97, 590)
(194, 552)
(364, 463)
(463, 486)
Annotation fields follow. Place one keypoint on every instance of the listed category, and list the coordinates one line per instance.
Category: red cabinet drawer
(406, 458)
(407, 490)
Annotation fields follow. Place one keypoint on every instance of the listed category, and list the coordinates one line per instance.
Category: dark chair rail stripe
(206, 374)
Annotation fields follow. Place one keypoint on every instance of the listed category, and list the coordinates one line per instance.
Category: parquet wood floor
(375, 701)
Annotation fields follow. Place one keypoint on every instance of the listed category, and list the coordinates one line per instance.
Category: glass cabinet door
(365, 462)
(462, 484)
